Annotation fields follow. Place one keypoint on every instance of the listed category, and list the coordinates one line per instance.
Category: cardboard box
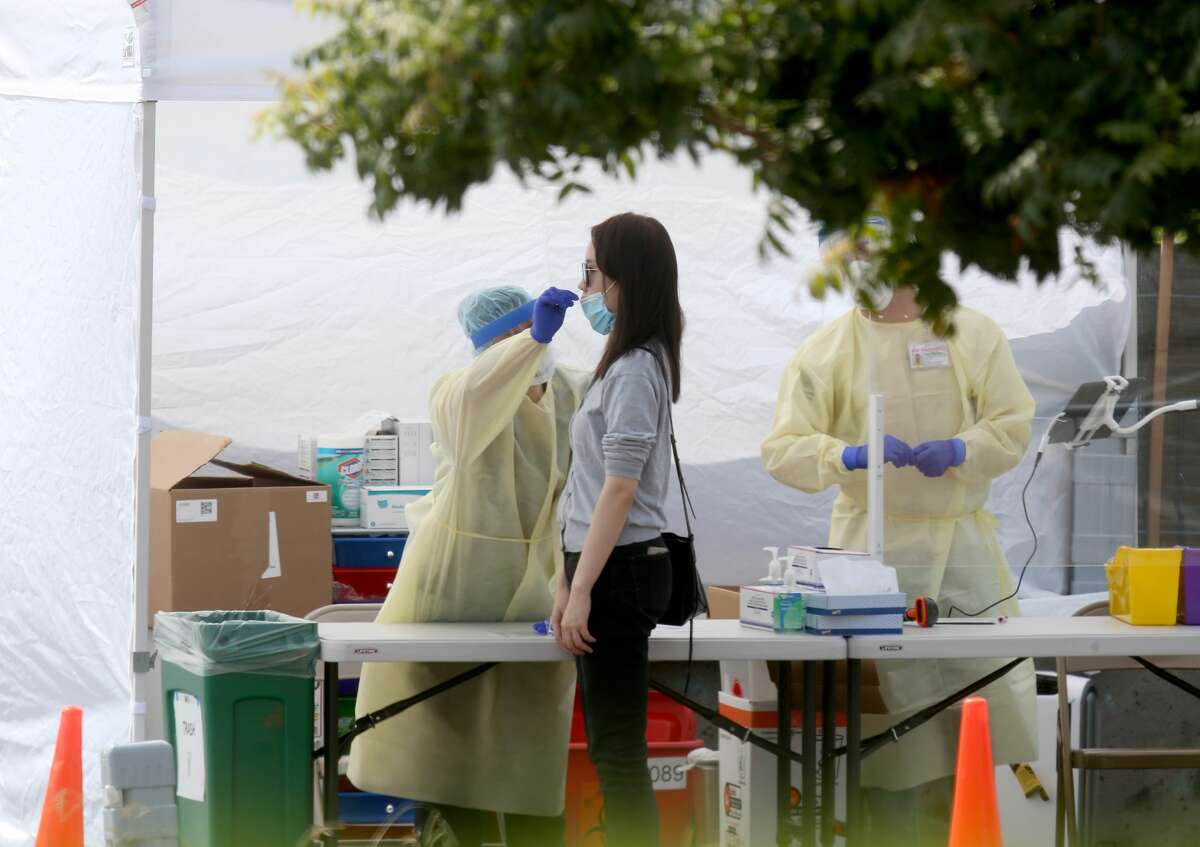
(256, 540)
(755, 679)
(869, 694)
(417, 465)
(384, 507)
(383, 462)
(339, 462)
(723, 602)
(854, 614)
(428, 462)
(807, 560)
(748, 773)
(821, 622)
(772, 607)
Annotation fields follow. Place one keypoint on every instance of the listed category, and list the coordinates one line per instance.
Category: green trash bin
(238, 711)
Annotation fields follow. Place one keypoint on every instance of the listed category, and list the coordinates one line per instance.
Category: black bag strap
(687, 499)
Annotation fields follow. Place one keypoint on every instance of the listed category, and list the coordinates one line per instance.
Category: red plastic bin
(365, 585)
(670, 736)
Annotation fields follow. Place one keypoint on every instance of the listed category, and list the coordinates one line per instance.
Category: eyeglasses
(587, 272)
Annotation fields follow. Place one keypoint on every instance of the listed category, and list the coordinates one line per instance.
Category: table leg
(853, 753)
(808, 771)
(329, 698)
(828, 739)
(783, 763)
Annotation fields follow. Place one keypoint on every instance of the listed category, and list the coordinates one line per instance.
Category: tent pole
(142, 656)
(1130, 371)
(1162, 340)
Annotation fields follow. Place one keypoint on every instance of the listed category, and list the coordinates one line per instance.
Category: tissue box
(854, 614)
(807, 560)
(772, 607)
(384, 507)
(855, 604)
(824, 622)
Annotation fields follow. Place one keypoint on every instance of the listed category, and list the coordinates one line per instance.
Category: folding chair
(1069, 759)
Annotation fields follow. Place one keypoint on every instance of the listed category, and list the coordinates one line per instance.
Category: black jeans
(627, 601)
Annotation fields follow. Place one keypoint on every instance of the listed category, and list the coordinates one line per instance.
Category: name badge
(928, 354)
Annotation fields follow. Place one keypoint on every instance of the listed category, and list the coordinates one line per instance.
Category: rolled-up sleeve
(631, 406)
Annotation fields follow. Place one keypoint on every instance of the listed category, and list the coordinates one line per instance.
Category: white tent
(278, 309)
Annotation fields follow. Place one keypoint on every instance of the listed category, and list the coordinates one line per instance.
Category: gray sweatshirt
(621, 429)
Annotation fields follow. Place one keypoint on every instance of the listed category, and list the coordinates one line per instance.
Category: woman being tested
(483, 546)
(617, 571)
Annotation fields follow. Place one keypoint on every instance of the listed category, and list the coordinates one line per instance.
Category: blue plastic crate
(369, 552)
(363, 807)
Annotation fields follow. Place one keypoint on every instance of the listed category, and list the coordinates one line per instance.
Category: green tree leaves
(980, 127)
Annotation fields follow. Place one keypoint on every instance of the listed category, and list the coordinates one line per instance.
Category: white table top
(1030, 637)
(517, 642)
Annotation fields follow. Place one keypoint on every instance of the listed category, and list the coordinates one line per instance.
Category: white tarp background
(68, 369)
(224, 49)
(281, 309)
(67, 50)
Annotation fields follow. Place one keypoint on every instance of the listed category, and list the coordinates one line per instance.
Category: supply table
(712, 640)
(1017, 638)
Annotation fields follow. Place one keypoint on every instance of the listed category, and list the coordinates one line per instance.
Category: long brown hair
(636, 252)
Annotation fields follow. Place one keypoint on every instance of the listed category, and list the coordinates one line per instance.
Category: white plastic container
(338, 461)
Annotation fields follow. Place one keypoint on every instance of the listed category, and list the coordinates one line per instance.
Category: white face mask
(546, 369)
(879, 296)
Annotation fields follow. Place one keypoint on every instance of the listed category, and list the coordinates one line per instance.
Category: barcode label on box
(196, 511)
(317, 496)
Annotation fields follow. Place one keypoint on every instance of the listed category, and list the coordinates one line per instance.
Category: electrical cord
(1029, 522)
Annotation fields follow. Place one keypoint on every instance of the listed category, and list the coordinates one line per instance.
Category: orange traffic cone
(976, 818)
(62, 814)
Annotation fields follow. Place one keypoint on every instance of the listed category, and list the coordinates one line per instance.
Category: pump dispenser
(774, 567)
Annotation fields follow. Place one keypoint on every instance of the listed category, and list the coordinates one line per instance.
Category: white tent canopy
(280, 309)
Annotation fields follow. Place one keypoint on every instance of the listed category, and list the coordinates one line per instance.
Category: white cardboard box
(748, 774)
(426, 462)
(383, 460)
(747, 678)
(339, 462)
(807, 560)
(384, 507)
(416, 453)
(771, 607)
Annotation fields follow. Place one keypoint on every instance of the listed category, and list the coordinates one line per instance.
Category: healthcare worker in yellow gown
(957, 416)
(484, 546)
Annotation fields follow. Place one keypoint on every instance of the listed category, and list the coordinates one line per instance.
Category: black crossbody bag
(688, 596)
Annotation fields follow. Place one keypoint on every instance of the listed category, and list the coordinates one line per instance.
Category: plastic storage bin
(362, 585)
(1189, 587)
(363, 807)
(238, 711)
(381, 552)
(670, 736)
(1143, 585)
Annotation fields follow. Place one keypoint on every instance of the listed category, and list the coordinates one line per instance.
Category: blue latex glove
(934, 458)
(549, 313)
(895, 451)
